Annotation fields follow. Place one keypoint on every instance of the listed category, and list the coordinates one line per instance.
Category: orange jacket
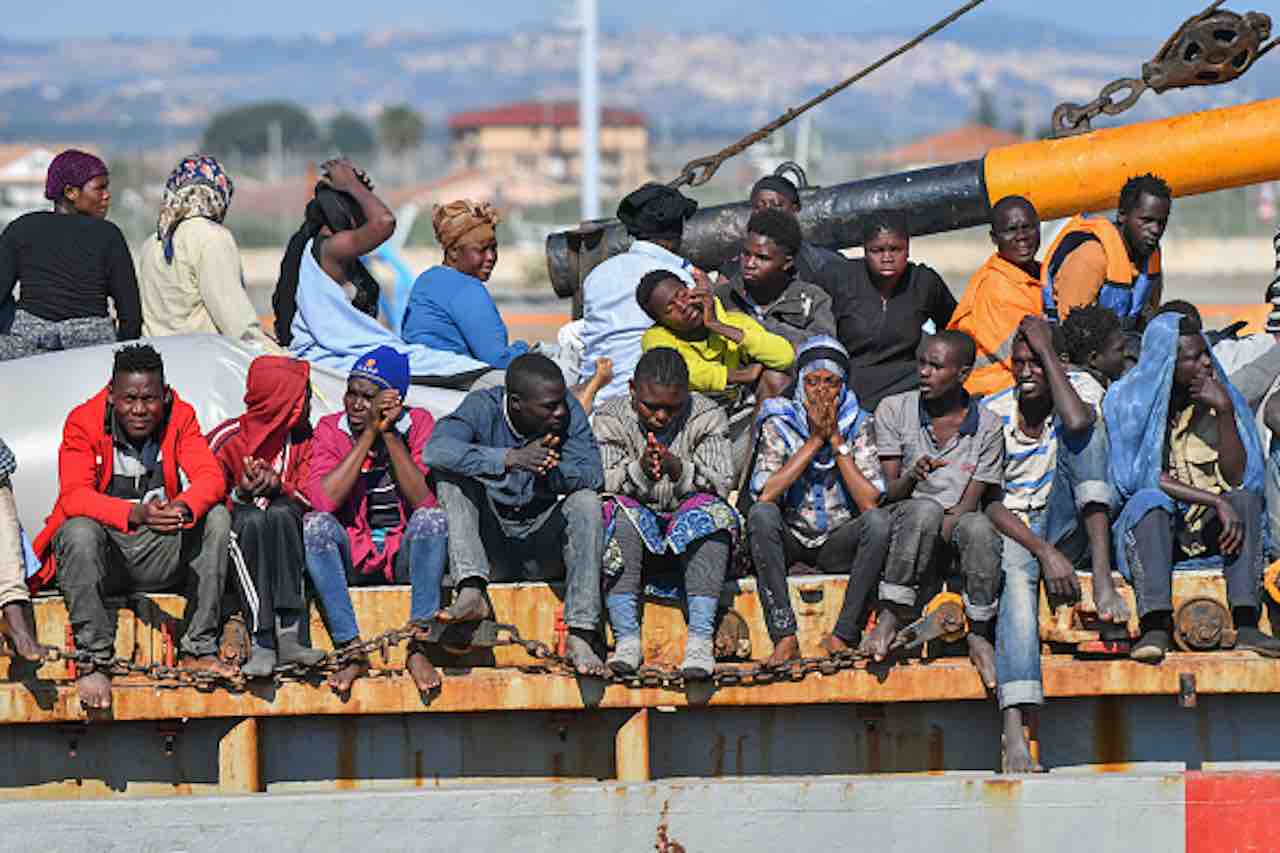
(1116, 286)
(998, 296)
(85, 460)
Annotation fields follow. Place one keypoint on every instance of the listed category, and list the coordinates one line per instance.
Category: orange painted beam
(1196, 153)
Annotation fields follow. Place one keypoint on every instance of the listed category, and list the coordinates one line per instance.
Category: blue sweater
(453, 312)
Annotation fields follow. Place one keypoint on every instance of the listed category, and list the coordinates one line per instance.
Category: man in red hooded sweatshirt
(123, 523)
(265, 455)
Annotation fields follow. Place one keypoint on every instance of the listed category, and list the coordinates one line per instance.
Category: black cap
(655, 210)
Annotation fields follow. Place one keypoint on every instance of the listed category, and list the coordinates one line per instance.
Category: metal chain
(697, 172)
(548, 663)
(1181, 62)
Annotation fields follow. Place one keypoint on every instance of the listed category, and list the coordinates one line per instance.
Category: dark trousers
(857, 547)
(95, 562)
(1154, 551)
(268, 560)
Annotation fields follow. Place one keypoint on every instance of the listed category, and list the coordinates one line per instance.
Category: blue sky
(49, 19)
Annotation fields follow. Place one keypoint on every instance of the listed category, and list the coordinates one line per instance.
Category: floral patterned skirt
(698, 517)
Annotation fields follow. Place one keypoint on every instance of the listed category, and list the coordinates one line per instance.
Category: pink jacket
(329, 446)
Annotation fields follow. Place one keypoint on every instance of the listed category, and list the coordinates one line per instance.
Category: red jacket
(86, 456)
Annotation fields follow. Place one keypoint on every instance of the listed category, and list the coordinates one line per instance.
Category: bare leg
(94, 689)
(586, 391)
(341, 681)
(1110, 606)
(876, 644)
(18, 622)
(1017, 752)
(982, 653)
(787, 648)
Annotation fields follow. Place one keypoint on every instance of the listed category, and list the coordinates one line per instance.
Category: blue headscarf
(1136, 410)
(789, 416)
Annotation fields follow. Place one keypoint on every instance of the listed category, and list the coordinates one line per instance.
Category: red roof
(962, 143)
(549, 113)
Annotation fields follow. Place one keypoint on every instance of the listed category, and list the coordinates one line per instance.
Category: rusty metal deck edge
(511, 690)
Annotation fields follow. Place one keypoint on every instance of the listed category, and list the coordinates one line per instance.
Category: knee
(923, 514)
(217, 520)
(877, 524)
(975, 529)
(764, 516)
(280, 512)
(583, 503)
(321, 531)
(77, 535)
(427, 521)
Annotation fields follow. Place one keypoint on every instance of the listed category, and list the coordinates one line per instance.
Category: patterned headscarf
(71, 168)
(464, 223)
(197, 188)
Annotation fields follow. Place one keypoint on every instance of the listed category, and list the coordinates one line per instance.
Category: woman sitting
(816, 483)
(881, 309)
(189, 274)
(314, 319)
(668, 468)
(70, 261)
(450, 308)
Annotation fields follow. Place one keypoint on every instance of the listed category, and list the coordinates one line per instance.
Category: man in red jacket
(124, 524)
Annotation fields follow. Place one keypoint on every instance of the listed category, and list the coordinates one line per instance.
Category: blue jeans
(420, 560)
(1079, 481)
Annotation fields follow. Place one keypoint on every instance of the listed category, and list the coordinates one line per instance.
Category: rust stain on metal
(348, 739)
(936, 759)
(1001, 791)
(665, 843)
(1110, 733)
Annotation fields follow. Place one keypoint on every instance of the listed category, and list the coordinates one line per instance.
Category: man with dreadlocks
(668, 469)
(124, 522)
(189, 273)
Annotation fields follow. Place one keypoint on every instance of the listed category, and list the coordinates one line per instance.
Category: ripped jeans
(420, 562)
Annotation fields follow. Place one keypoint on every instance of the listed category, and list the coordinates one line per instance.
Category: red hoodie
(275, 397)
(85, 459)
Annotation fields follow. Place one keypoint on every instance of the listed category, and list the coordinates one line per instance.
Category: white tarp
(208, 371)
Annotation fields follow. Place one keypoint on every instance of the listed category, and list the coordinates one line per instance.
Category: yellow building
(542, 138)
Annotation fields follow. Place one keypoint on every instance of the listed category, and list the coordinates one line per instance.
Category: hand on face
(387, 409)
(1206, 390)
(1038, 334)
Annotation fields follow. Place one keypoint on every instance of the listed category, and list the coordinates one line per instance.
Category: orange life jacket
(1122, 291)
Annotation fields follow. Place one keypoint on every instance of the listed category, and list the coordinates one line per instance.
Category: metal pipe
(1195, 153)
(589, 109)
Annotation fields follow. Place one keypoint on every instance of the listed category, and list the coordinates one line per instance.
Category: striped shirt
(1031, 462)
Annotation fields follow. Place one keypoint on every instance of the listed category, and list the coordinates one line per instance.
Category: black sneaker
(1152, 648)
(1252, 639)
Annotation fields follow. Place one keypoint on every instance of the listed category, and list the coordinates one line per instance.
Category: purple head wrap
(71, 168)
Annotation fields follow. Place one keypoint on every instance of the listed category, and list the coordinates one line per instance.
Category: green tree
(401, 128)
(984, 111)
(349, 135)
(247, 129)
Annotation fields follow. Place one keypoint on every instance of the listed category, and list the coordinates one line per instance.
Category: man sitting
(1188, 464)
(817, 481)
(727, 353)
(1095, 345)
(518, 473)
(942, 453)
(1053, 514)
(814, 264)
(766, 287)
(376, 519)
(123, 522)
(612, 323)
(15, 600)
(668, 470)
(1003, 291)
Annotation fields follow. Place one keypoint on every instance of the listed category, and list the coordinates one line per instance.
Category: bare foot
(586, 392)
(833, 645)
(786, 649)
(983, 656)
(579, 649)
(94, 689)
(425, 676)
(341, 681)
(876, 644)
(210, 663)
(18, 627)
(1107, 601)
(471, 605)
(1017, 751)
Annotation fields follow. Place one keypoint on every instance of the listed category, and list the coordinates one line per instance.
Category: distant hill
(139, 92)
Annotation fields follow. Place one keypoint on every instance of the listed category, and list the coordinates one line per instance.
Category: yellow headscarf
(464, 223)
